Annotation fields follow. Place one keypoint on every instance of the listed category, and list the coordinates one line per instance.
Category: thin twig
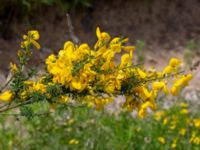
(15, 106)
(162, 77)
(73, 36)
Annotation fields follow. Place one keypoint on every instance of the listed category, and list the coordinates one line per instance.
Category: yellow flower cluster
(180, 123)
(161, 140)
(180, 83)
(73, 141)
(94, 71)
(195, 139)
(31, 38)
(92, 76)
(23, 55)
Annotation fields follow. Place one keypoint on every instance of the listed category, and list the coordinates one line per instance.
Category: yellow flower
(99, 103)
(175, 90)
(100, 52)
(160, 85)
(39, 87)
(182, 131)
(125, 60)
(63, 99)
(77, 85)
(180, 83)
(197, 123)
(115, 40)
(116, 47)
(143, 108)
(147, 104)
(174, 144)
(174, 62)
(173, 126)
(13, 67)
(129, 48)
(195, 139)
(31, 39)
(102, 35)
(36, 44)
(184, 105)
(98, 33)
(24, 44)
(168, 70)
(141, 73)
(184, 111)
(186, 79)
(165, 121)
(51, 59)
(68, 44)
(6, 96)
(84, 48)
(142, 113)
(162, 140)
(23, 95)
(125, 40)
(34, 34)
(107, 65)
(73, 142)
(158, 115)
(146, 95)
(120, 75)
(109, 87)
(108, 55)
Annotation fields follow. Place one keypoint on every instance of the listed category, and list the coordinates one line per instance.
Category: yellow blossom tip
(6, 96)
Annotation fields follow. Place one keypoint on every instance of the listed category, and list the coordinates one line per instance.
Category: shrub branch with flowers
(82, 76)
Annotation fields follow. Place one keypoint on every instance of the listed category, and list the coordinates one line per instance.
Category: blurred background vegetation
(18, 10)
(81, 128)
(23, 8)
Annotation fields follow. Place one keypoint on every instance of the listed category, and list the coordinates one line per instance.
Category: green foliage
(93, 130)
(27, 112)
